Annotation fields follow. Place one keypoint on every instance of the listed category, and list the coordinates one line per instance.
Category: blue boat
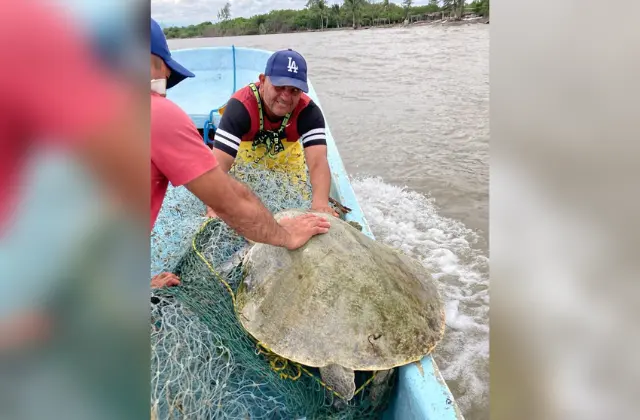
(421, 392)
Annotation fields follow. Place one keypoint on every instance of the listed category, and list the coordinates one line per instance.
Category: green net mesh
(203, 363)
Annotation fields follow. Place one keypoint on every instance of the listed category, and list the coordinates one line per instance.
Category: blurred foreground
(74, 244)
(564, 207)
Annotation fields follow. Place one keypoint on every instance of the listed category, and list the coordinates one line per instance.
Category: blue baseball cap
(287, 68)
(160, 48)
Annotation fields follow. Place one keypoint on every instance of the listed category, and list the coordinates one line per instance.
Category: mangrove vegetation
(318, 15)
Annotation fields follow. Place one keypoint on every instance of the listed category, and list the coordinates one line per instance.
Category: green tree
(355, 8)
(324, 10)
(320, 9)
(459, 8)
(335, 15)
(385, 8)
(480, 7)
(454, 7)
(225, 13)
(407, 7)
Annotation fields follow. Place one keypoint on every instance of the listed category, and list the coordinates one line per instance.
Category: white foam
(409, 221)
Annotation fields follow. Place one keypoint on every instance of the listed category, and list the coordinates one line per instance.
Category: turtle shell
(342, 298)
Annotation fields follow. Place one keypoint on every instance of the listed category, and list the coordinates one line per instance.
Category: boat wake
(409, 221)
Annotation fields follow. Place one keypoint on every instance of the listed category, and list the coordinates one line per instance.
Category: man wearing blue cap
(179, 156)
(275, 123)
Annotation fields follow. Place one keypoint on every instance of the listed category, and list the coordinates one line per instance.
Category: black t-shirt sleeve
(311, 126)
(234, 124)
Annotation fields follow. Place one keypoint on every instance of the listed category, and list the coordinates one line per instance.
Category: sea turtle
(342, 302)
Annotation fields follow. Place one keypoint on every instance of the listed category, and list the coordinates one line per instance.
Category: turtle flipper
(340, 379)
(380, 384)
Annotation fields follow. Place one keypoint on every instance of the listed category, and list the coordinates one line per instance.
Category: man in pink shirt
(179, 156)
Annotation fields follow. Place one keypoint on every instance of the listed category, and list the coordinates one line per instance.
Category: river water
(409, 110)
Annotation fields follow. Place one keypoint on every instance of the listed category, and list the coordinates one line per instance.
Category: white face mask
(159, 86)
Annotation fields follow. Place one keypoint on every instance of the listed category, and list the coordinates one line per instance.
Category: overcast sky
(195, 11)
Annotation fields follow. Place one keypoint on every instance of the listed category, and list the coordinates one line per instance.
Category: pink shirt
(52, 90)
(178, 152)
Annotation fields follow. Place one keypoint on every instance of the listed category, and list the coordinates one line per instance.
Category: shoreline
(445, 22)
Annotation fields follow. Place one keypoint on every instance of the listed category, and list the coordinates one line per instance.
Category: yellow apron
(271, 150)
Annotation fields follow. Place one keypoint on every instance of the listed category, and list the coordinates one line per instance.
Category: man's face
(159, 75)
(159, 69)
(280, 100)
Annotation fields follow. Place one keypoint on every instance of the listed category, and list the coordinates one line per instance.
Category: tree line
(318, 15)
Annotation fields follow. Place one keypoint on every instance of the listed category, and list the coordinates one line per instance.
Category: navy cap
(287, 68)
(160, 48)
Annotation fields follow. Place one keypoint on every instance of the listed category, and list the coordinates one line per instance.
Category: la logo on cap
(292, 66)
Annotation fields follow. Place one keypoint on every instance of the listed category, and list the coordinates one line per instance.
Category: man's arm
(316, 157)
(311, 125)
(225, 160)
(234, 124)
(238, 207)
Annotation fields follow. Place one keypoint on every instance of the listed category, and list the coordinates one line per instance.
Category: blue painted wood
(421, 394)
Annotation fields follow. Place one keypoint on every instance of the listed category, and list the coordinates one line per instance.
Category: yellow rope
(195, 248)
(273, 358)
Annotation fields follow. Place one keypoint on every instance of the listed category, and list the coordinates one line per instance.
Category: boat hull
(421, 393)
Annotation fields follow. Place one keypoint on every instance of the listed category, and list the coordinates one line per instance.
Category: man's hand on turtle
(301, 228)
(210, 213)
(324, 208)
(164, 279)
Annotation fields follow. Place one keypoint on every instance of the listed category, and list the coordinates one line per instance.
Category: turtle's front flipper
(340, 379)
(380, 384)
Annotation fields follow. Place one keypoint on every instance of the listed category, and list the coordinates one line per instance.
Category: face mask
(159, 86)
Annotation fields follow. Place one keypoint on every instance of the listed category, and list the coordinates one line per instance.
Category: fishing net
(203, 363)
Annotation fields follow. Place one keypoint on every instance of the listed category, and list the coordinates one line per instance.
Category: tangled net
(203, 364)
